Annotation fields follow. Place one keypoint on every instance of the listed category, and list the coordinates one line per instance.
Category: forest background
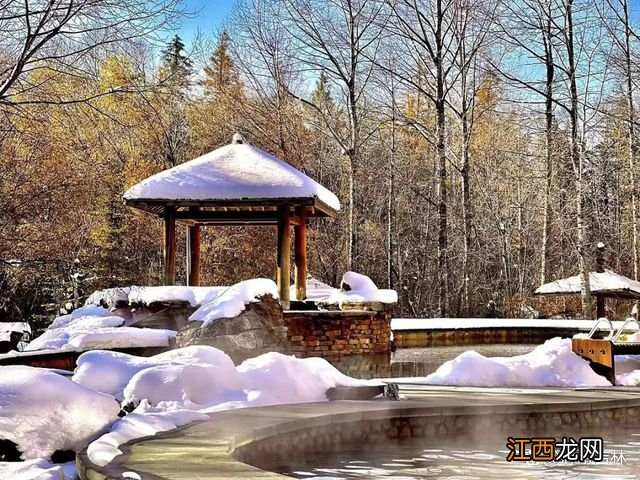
(479, 147)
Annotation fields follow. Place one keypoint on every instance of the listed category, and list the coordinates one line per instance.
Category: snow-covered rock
(355, 288)
(123, 337)
(41, 411)
(358, 288)
(232, 301)
(92, 327)
(194, 296)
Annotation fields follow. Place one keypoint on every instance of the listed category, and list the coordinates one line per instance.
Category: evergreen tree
(176, 67)
(220, 74)
(321, 95)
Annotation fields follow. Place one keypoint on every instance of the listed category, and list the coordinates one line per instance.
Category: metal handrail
(595, 326)
(626, 322)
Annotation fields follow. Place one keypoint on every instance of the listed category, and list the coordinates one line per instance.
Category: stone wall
(263, 327)
(332, 334)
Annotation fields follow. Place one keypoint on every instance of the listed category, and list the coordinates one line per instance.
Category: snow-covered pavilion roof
(235, 177)
(608, 283)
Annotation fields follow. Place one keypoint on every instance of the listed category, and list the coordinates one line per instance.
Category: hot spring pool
(412, 459)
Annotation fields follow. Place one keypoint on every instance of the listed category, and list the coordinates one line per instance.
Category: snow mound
(551, 364)
(42, 411)
(110, 372)
(361, 290)
(71, 318)
(274, 378)
(233, 300)
(190, 385)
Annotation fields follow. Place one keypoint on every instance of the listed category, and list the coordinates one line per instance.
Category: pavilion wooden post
(169, 249)
(600, 306)
(283, 275)
(300, 253)
(193, 255)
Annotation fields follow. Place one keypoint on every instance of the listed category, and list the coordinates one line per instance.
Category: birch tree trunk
(632, 150)
(441, 136)
(576, 157)
(550, 74)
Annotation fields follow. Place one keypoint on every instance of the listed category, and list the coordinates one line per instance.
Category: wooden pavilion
(604, 284)
(237, 184)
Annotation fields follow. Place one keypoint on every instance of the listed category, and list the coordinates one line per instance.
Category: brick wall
(332, 334)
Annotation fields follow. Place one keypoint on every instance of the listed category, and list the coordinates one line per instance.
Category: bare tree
(431, 33)
(623, 36)
(61, 36)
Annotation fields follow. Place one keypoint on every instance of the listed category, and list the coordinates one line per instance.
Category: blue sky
(208, 16)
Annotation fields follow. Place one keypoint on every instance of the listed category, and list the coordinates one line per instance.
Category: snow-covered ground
(43, 412)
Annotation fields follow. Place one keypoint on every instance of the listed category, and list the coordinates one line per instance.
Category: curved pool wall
(248, 443)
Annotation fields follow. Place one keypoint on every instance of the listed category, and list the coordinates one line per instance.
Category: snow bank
(38, 469)
(191, 385)
(91, 327)
(551, 364)
(142, 422)
(42, 411)
(233, 300)
(184, 384)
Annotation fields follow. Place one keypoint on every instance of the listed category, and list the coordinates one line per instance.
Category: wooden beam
(232, 217)
(193, 255)
(283, 274)
(169, 249)
(300, 254)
